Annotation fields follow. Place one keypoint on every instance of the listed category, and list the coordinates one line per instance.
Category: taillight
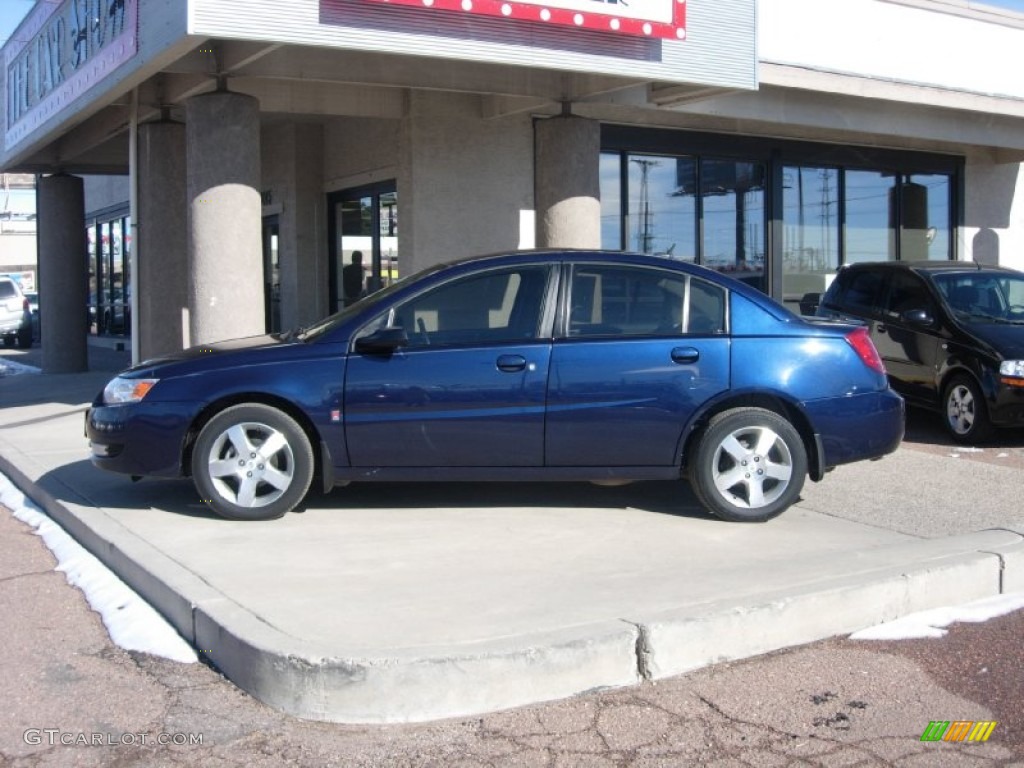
(860, 340)
(25, 304)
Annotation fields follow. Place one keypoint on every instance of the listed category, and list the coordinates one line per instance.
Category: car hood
(1005, 339)
(227, 352)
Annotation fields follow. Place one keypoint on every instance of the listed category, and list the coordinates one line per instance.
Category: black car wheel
(252, 462)
(749, 465)
(25, 337)
(966, 414)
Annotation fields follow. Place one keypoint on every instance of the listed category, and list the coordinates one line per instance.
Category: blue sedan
(540, 365)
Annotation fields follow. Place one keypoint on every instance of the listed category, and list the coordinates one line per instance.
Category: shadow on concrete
(80, 482)
(924, 427)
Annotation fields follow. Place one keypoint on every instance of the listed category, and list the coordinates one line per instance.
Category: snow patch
(132, 623)
(932, 623)
(11, 368)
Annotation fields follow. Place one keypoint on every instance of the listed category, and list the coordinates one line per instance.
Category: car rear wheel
(749, 465)
(25, 338)
(966, 412)
(252, 462)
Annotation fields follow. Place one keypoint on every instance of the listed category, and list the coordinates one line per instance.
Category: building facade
(232, 167)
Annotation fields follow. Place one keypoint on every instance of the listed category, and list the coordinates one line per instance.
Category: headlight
(124, 390)
(1012, 368)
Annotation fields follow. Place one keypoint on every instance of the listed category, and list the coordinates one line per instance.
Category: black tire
(965, 412)
(253, 486)
(25, 338)
(9, 340)
(749, 465)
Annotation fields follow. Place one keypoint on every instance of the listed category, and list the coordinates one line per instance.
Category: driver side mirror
(917, 317)
(383, 340)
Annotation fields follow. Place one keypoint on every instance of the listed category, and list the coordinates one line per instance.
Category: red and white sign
(645, 18)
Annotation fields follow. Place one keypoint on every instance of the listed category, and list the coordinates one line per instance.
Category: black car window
(860, 291)
(906, 292)
(493, 307)
(611, 300)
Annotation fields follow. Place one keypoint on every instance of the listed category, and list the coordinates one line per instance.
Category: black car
(951, 335)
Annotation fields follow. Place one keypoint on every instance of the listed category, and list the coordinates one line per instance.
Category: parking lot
(370, 601)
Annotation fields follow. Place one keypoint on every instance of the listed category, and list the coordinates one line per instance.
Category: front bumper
(1006, 409)
(139, 438)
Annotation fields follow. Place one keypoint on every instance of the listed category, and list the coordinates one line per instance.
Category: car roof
(932, 266)
(597, 255)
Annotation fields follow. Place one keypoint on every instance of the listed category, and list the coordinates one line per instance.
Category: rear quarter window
(859, 292)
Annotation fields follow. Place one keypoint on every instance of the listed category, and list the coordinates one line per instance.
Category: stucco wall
(470, 180)
(292, 156)
(103, 192)
(360, 151)
(993, 231)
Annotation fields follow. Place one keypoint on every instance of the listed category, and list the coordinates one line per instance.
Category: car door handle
(511, 363)
(880, 328)
(684, 355)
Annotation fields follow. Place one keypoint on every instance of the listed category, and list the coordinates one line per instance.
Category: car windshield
(992, 296)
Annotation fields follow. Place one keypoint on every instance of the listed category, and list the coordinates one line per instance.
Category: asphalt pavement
(420, 602)
(68, 696)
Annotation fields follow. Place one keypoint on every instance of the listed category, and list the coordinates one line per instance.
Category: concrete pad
(388, 603)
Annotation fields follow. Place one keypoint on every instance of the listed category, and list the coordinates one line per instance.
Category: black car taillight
(860, 340)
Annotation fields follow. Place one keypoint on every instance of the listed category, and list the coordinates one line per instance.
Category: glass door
(271, 275)
(363, 231)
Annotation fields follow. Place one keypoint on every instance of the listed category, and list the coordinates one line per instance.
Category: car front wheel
(966, 413)
(252, 462)
(749, 465)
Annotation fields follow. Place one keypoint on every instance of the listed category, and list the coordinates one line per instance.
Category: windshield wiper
(293, 334)
(985, 316)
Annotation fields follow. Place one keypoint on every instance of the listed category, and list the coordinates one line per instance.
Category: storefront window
(924, 233)
(93, 299)
(732, 194)
(870, 197)
(753, 209)
(662, 209)
(364, 242)
(611, 201)
(810, 231)
(109, 300)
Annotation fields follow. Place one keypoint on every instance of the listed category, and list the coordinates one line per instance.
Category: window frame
(562, 321)
(546, 313)
(625, 141)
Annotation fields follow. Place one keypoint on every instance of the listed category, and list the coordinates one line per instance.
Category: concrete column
(63, 274)
(162, 245)
(293, 162)
(567, 185)
(224, 210)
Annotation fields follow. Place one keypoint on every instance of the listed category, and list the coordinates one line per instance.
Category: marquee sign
(60, 51)
(647, 18)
